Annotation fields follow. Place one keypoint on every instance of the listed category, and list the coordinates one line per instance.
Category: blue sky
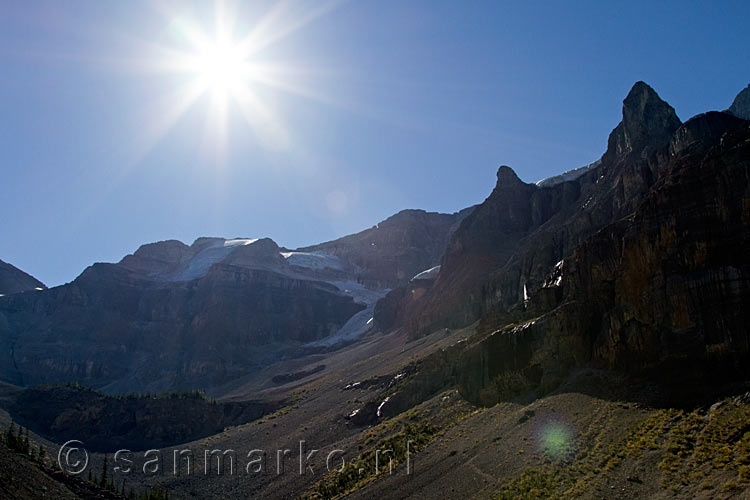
(384, 105)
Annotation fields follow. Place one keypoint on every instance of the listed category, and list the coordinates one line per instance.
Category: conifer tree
(10, 436)
(26, 443)
(103, 480)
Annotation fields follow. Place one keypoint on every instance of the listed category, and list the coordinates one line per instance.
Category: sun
(220, 67)
(234, 69)
(216, 64)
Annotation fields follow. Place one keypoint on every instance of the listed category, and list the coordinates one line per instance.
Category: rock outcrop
(393, 251)
(640, 265)
(659, 294)
(741, 105)
(13, 280)
(510, 242)
(706, 128)
(647, 125)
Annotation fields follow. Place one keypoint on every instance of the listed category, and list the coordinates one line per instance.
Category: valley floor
(574, 443)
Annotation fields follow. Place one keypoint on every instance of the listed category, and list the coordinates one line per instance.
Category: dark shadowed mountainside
(136, 422)
(397, 249)
(173, 316)
(13, 280)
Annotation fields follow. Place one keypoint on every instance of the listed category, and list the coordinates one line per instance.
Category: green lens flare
(556, 440)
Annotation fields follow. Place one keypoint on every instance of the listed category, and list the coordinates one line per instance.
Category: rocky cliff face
(13, 280)
(160, 320)
(647, 125)
(706, 128)
(658, 294)
(485, 241)
(114, 330)
(173, 316)
(395, 250)
(640, 265)
(510, 242)
(741, 105)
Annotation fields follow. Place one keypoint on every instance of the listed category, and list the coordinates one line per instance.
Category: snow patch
(558, 270)
(555, 277)
(199, 265)
(429, 274)
(313, 260)
(382, 404)
(359, 324)
(359, 292)
(239, 242)
(569, 175)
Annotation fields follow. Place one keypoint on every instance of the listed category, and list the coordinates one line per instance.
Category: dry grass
(694, 448)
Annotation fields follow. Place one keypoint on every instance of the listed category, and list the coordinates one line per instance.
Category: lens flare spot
(556, 440)
(337, 202)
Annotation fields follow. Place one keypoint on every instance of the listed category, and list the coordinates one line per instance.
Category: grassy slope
(572, 445)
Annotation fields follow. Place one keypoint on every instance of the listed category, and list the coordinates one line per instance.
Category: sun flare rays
(227, 71)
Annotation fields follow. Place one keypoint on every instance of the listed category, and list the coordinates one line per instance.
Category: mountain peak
(647, 125)
(506, 176)
(13, 280)
(741, 105)
(640, 88)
